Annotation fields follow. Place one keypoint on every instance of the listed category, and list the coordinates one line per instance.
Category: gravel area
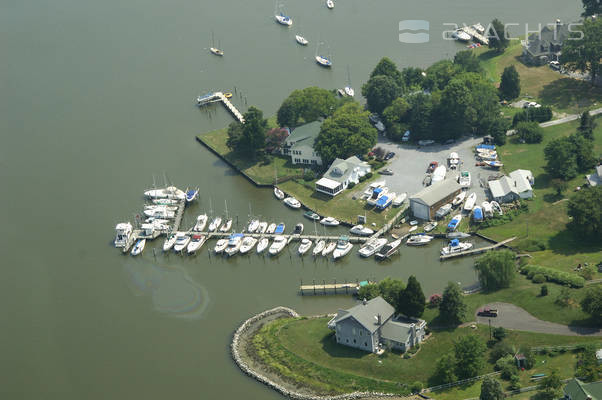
(410, 163)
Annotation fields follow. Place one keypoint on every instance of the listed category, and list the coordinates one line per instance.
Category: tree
(588, 367)
(559, 185)
(585, 209)
(549, 388)
(496, 127)
(455, 113)
(445, 369)
(584, 152)
(396, 112)
(380, 91)
(346, 133)
(412, 301)
(452, 308)
(274, 138)
(412, 77)
(510, 84)
(591, 7)
(439, 74)
(586, 126)
(307, 104)
(530, 132)
(491, 389)
(581, 52)
(391, 290)
(469, 351)
(499, 333)
(561, 161)
(592, 302)
(388, 68)
(420, 116)
(368, 291)
(496, 269)
(248, 138)
(497, 36)
(468, 61)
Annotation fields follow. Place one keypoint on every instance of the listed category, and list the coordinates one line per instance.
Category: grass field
(305, 351)
(542, 83)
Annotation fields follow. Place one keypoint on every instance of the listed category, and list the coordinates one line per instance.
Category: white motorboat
(215, 224)
(399, 199)
(419, 240)
(438, 174)
(361, 230)
(372, 246)
(283, 19)
(160, 207)
(343, 248)
(263, 226)
(496, 207)
(153, 220)
(479, 28)
(412, 228)
(304, 246)
(329, 221)
(182, 240)
(123, 231)
(292, 202)
(455, 221)
(247, 244)
(191, 194)
(160, 213)
(461, 35)
(138, 247)
(226, 226)
(487, 209)
(470, 202)
(271, 228)
(234, 243)
(195, 243)
(301, 40)
(277, 246)
(201, 222)
(329, 248)
(278, 193)
(170, 192)
(388, 250)
(349, 91)
(453, 160)
(220, 245)
(298, 229)
(488, 157)
(370, 190)
(216, 51)
(376, 194)
(443, 210)
(253, 225)
(262, 245)
(330, 4)
(464, 179)
(455, 246)
(319, 247)
(170, 240)
(430, 226)
(165, 202)
(459, 199)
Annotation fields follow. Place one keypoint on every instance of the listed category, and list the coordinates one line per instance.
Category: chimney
(378, 319)
(364, 301)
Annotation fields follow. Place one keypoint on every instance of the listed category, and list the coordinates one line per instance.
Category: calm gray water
(97, 97)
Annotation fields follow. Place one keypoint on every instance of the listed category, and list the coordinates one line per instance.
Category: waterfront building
(340, 174)
(542, 47)
(425, 203)
(595, 179)
(509, 188)
(299, 145)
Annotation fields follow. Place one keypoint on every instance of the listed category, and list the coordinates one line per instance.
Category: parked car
(487, 312)
(389, 155)
(432, 166)
(406, 136)
(386, 171)
(374, 118)
(450, 141)
(425, 142)
(380, 127)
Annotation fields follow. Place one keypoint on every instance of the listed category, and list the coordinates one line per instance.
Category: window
(354, 341)
(305, 161)
(361, 332)
(347, 340)
(353, 331)
(365, 344)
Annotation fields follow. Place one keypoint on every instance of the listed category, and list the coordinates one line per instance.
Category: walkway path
(513, 317)
(559, 121)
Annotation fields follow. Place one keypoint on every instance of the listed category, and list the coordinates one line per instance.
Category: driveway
(410, 163)
(513, 317)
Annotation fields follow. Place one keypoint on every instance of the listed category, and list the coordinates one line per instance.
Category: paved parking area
(410, 163)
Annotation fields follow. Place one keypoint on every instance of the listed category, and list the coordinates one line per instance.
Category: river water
(97, 97)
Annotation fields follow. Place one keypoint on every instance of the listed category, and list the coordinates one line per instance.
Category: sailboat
(348, 89)
(301, 40)
(283, 19)
(323, 61)
(213, 49)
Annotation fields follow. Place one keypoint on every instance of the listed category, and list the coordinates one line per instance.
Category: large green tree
(420, 116)
(395, 118)
(585, 209)
(412, 301)
(591, 7)
(496, 269)
(388, 68)
(587, 124)
(491, 389)
(306, 105)
(456, 114)
(549, 387)
(380, 91)
(346, 133)
(470, 356)
(445, 369)
(584, 152)
(592, 302)
(581, 52)
(391, 290)
(468, 61)
(439, 74)
(452, 308)
(529, 132)
(561, 160)
(510, 83)
(497, 36)
(412, 78)
(248, 138)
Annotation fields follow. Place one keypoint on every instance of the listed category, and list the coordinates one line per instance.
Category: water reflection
(170, 287)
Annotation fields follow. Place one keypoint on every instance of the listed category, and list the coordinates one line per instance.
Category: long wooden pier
(219, 96)
(476, 251)
(331, 288)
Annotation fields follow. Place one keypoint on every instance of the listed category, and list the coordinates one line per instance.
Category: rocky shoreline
(241, 339)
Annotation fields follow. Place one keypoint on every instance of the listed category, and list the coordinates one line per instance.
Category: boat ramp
(220, 97)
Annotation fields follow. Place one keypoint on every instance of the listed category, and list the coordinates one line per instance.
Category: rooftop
(431, 195)
(304, 135)
(583, 391)
(340, 169)
(366, 313)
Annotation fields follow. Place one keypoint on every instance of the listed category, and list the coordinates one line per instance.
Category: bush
(540, 114)
(530, 132)
(416, 387)
(514, 382)
(368, 175)
(407, 356)
(308, 175)
(544, 290)
(587, 273)
(564, 297)
(533, 245)
(501, 349)
(552, 275)
(538, 278)
(363, 178)
(499, 333)
(350, 185)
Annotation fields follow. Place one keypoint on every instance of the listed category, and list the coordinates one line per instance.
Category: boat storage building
(425, 203)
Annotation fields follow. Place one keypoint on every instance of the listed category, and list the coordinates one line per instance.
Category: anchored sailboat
(321, 60)
(348, 89)
(213, 49)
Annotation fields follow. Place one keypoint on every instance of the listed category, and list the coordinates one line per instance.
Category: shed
(425, 203)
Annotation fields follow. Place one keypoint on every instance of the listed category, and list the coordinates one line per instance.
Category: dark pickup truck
(487, 312)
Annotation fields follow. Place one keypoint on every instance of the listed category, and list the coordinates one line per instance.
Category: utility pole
(490, 337)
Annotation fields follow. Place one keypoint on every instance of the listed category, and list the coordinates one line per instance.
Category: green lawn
(547, 219)
(542, 83)
(304, 351)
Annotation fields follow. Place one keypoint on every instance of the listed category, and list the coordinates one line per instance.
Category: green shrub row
(552, 275)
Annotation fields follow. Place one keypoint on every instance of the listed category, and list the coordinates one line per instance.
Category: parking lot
(411, 161)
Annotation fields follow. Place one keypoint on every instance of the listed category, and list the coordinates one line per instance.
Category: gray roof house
(340, 174)
(513, 187)
(425, 203)
(595, 179)
(577, 390)
(299, 145)
(545, 46)
(371, 325)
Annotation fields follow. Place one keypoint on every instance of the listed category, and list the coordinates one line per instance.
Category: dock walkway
(476, 35)
(387, 227)
(219, 96)
(324, 288)
(476, 251)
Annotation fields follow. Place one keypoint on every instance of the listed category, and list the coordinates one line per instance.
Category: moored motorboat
(220, 245)
(298, 229)
(319, 247)
(361, 230)
(247, 244)
(170, 192)
(419, 240)
(138, 247)
(372, 246)
(459, 199)
(329, 221)
(349, 91)
(201, 222)
(278, 193)
(263, 226)
(234, 243)
(470, 202)
(271, 228)
(455, 246)
(330, 4)
(191, 194)
(292, 202)
(277, 246)
(304, 246)
(182, 240)
(215, 224)
(123, 231)
(226, 226)
(388, 250)
(457, 235)
(343, 248)
(311, 215)
(165, 202)
(329, 248)
(216, 51)
(453, 224)
(301, 40)
(170, 240)
(461, 36)
(160, 213)
(430, 226)
(279, 228)
(195, 243)
(496, 207)
(253, 225)
(323, 61)
(262, 244)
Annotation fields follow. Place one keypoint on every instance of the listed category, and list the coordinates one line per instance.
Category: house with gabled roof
(546, 45)
(577, 390)
(509, 188)
(340, 174)
(299, 145)
(372, 325)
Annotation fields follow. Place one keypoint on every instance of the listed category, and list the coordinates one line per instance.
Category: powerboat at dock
(455, 246)
(388, 250)
(123, 231)
(329, 221)
(343, 248)
(138, 247)
(372, 246)
(319, 247)
(419, 240)
(304, 246)
(278, 244)
(292, 202)
(361, 230)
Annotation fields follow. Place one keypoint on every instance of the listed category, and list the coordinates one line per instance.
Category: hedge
(552, 275)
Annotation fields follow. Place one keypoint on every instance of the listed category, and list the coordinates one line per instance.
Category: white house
(595, 179)
(510, 188)
(340, 174)
(299, 145)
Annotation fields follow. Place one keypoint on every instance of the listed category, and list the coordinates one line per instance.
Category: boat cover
(486, 146)
(477, 213)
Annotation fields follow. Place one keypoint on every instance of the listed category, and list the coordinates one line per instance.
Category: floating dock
(331, 288)
(219, 96)
(477, 37)
(476, 251)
